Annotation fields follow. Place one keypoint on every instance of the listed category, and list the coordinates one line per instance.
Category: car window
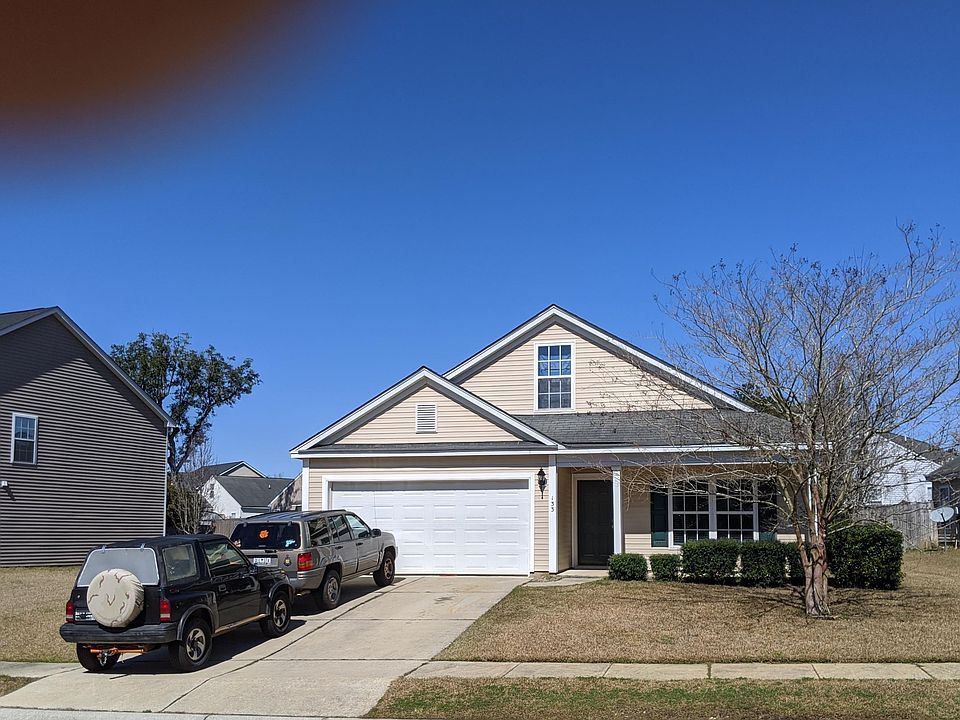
(359, 527)
(319, 532)
(179, 562)
(223, 558)
(266, 535)
(338, 528)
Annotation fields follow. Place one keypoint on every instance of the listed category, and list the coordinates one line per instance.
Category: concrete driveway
(330, 664)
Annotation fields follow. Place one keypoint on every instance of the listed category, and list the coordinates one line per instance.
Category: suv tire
(192, 652)
(94, 662)
(277, 621)
(384, 574)
(328, 594)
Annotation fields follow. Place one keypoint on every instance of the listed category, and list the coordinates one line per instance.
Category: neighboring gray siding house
(82, 448)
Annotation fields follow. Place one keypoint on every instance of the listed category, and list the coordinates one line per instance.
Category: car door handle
(222, 588)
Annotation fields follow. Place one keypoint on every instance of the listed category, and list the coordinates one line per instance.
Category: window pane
(564, 385)
(543, 401)
(359, 527)
(179, 561)
(542, 352)
(554, 352)
(565, 400)
(23, 451)
(554, 367)
(565, 352)
(554, 401)
(222, 558)
(542, 369)
(565, 367)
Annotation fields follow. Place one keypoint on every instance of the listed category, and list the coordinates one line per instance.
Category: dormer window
(554, 377)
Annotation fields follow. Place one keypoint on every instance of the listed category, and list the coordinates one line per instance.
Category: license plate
(80, 616)
(263, 560)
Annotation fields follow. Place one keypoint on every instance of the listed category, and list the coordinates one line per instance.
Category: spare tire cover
(115, 597)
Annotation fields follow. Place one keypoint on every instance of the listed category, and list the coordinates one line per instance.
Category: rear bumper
(85, 634)
(307, 580)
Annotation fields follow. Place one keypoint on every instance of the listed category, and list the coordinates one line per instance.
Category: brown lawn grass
(679, 622)
(574, 699)
(32, 604)
(9, 684)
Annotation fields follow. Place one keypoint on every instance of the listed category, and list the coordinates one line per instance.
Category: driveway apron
(331, 664)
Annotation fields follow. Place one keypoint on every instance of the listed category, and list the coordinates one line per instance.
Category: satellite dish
(943, 514)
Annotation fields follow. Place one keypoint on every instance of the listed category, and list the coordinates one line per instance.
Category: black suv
(178, 591)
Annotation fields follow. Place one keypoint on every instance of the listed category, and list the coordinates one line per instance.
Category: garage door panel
(475, 526)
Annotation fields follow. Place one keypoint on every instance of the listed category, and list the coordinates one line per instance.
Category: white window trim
(573, 377)
(712, 510)
(13, 430)
(416, 419)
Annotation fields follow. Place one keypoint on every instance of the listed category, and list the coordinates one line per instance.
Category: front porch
(596, 511)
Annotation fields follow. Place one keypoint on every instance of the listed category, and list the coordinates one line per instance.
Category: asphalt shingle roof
(8, 319)
(253, 492)
(654, 428)
(218, 469)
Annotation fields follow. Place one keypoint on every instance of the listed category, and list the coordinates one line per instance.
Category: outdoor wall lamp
(541, 482)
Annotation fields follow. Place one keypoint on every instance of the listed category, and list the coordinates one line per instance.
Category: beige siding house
(519, 459)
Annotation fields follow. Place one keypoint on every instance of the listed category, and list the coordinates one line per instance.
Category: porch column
(553, 563)
(305, 486)
(617, 511)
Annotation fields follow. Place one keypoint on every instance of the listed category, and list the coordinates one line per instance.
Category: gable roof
(424, 377)
(556, 315)
(948, 471)
(13, 321)
(921, 448)
(224, 469)
(253, 493)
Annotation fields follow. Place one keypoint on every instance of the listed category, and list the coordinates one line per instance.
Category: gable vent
(426, 417)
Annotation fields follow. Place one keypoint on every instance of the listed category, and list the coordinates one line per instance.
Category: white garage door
(464, 526)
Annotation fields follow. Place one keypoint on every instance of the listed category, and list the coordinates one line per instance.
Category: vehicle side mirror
(376, 532)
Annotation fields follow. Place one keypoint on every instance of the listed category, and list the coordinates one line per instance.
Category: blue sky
(355, 200)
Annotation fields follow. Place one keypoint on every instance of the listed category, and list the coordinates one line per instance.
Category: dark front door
(594, 522)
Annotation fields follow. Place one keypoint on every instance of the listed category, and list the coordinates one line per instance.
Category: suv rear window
(142, 562)
(266, 536)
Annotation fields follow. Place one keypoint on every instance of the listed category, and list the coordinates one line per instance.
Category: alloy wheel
(196, 644)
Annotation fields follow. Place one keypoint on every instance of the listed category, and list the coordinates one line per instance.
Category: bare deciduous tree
(187, 508)
(841, 357)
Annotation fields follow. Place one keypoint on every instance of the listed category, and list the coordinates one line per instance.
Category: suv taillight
(164, 610)
(304, 562)
(70, 614)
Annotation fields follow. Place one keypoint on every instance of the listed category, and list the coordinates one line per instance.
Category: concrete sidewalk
(716, 671)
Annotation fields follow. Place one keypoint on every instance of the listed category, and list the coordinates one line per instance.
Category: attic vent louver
(426, 417)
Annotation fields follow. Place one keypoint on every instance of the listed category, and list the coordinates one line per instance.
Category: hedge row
(862, 556)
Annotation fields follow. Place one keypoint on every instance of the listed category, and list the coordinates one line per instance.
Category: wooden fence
(911, 519)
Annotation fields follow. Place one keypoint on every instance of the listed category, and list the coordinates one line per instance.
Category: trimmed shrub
(666, 568)
(794, 564)
(866, 556)
(710, 561)
(763, 564)
(628, 566)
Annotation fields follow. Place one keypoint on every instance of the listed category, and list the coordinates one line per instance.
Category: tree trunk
(814, 557)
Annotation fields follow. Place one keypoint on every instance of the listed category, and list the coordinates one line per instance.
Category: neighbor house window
(24, 446)
(691, 514)
(554, 377)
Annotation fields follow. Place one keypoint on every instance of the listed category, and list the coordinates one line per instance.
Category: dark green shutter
(659, 523)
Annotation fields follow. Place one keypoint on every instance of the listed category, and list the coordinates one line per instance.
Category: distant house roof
(224, 469)
(654, 428)
(921, 448)
(948, 471)
(13, 321)
(254, 494)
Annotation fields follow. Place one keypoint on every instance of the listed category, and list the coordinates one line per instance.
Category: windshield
(142, 562)
(266, 536)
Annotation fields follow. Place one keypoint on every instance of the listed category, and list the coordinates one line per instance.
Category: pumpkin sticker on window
(264, 534)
